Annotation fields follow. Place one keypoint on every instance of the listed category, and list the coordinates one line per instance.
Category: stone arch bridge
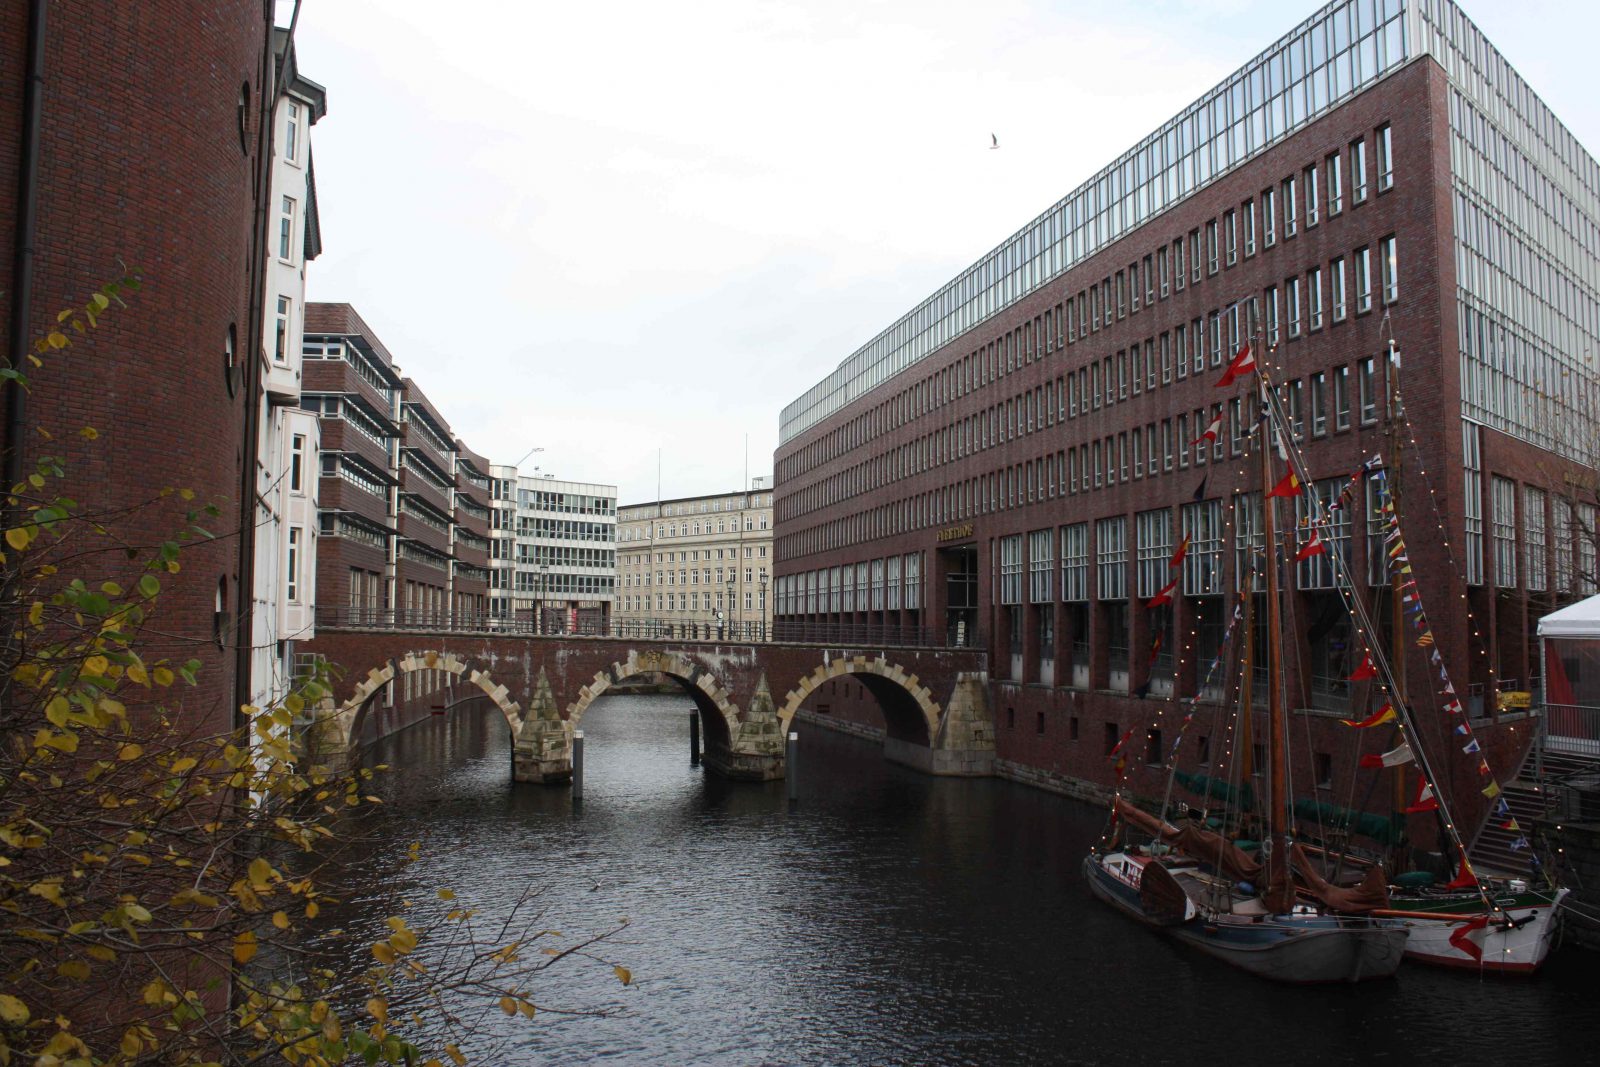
(935, 710)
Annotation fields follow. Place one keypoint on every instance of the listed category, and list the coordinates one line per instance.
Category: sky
(629, 233)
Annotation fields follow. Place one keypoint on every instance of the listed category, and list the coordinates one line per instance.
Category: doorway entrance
(960, 568)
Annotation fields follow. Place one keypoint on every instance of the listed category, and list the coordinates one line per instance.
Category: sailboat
(1202, 889)
(1489, 924)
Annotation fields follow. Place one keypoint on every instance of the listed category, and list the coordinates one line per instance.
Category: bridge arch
(352, 714)
(909, 711)
(717, 710)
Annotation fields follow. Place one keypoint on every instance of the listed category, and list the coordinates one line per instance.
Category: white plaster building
(565, 574)
(284, 582)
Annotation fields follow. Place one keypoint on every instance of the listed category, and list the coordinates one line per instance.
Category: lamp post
(761, 605)
(729, 615)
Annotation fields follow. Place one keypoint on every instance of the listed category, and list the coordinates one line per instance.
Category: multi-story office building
(698, 566)
(1020, 455)
(564, 564)
(287, 452)
(404, 514)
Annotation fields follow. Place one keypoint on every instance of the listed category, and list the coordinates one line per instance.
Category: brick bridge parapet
(933, 700)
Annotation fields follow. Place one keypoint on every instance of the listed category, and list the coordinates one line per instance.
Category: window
(1163, 265)
(1269, 218)
(1391, 269)
(1291, 290)
(1313, 197)
(1318, 401)
(1336, 277)
(1385, 159)
(1368, 382)
(1363, 262)
(1271, 314)
(1535, 539)
(1289, 198)
(1335, 184)
(280, 347)
(1194, 256)
(1178, 273)
(286, 229)
(1341, 398)
(1503, 504)
(297, 463)
(1249, 228)
(1358, 170)
(291, 568)
(1230, 237)
(1111, 557)
(1211, 247)
(291, 133)
(1314, 297)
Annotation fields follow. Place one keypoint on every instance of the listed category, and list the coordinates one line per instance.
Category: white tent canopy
(1575, 620)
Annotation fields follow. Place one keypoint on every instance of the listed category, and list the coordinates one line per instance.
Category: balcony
(336, 494)
(414, 484)
(415, 529)
(338, 376)
(338, 436)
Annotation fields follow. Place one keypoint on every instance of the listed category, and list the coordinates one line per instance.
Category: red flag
(1377, 718)
(1365, 671)
(1212, 431)
(1462, 938)
(1165, 596)
(1425, 800)
(1313, 547)
(1244, 363)
(1464, 878)
(1118, 746)
(1290, 486)
(1182, 553)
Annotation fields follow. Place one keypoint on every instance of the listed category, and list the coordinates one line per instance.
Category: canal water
(889, 918)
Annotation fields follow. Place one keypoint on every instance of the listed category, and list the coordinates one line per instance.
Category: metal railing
(736, 631)
(1567, 730)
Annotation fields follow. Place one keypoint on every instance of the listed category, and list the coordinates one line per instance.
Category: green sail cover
(1376, 827)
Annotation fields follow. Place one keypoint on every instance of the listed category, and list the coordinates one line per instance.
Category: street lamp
(729, 615)
(525, 455)
(761, 606)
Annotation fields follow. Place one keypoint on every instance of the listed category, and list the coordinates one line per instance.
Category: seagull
(994, 142)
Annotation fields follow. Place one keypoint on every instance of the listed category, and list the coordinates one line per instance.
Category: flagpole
(1397, 634)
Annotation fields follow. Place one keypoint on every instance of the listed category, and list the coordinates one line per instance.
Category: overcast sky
(612, 230)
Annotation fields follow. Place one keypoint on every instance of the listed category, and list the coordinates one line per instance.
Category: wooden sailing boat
(1490, 924)
(1201, 889)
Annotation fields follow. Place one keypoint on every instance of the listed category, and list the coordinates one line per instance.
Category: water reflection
(889, 918)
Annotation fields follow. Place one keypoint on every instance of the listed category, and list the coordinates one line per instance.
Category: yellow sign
(1516, 699)
(955, 533)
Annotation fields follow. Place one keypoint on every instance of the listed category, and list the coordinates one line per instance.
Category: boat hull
(1518, 946)
(1299, 948)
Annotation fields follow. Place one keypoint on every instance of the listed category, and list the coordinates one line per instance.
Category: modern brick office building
(1014, 463)
(403, 506)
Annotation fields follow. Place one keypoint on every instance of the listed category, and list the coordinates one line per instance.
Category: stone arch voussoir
(656, 662)
(841, 667)
(349, 715)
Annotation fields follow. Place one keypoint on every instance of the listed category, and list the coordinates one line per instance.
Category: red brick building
(403, 533)
(132, 138)
(1015, 462)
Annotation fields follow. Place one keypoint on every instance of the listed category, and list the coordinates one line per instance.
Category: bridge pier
(543, 749)
(755, 751)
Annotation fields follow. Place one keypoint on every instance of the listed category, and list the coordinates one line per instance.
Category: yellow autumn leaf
(447, 894)
(312, 909)
(183, 763)
(260, 871)
(12, 1010)
(455, 1055)
(136, 673)
(280, 920)
(378, 1008)
(508, 1005)
(96, 665)
(383, 952)
(624, 975)
(17, 538)
(36, 613)
(162, 676)
(130, 752)
(244, 947)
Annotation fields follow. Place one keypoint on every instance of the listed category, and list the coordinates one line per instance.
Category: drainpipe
(22, 254)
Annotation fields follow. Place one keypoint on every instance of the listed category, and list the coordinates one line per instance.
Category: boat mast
(1397, 628)
(1279, 897)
